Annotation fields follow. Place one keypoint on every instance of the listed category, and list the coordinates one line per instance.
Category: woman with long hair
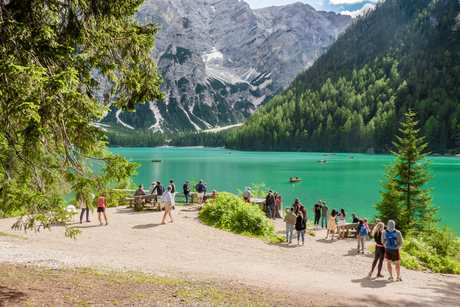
(331, 224)
(342, 217)
(300, 227)
(379, 249)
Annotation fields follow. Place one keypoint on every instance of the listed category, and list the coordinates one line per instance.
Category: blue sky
(349, 7)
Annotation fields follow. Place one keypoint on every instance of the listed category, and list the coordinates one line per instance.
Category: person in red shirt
(101, 204)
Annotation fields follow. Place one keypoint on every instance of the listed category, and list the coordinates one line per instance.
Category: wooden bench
(351, 228)
(140, 201)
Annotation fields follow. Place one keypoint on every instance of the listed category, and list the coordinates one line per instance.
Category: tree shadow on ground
(326, 241)
(437, 294)
(9, 296)
(89, 226)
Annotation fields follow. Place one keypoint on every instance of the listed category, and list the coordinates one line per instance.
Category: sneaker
(363, 252)
(163, 223)
(398, 278)
(101, 224)
(81, 222)
(106, 224)
(290, 242)
(358, 252)
(380, 275)
(391, 278)
(88, 221)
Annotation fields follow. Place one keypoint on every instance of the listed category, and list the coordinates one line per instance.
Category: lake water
(342, 182)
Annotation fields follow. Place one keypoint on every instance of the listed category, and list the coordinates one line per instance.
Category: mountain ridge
(221, 60)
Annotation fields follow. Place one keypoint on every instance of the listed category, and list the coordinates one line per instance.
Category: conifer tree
(404, 199)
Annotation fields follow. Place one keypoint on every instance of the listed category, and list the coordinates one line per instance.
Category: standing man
(101, 204)
(200, 187)
(159, 189)
(173, 193)
(290, 218)
(324, 215)
(167, 200)
(317, 211)
(247, 195)
(270, 202)
(205, 191)
(392, 240)
(187, 191)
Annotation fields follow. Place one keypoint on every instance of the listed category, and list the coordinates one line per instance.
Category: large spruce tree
(53, 55)
(405, 198)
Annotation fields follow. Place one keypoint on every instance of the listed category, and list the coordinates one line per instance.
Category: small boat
(157, 160)
(321, 161)
(350, 157)
(425, 159)
(333, 154)
(229, 153)
(294, 179)
(325, 155)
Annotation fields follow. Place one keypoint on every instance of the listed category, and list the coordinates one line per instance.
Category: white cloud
(320, 2)
(360, 12)
(336, 2)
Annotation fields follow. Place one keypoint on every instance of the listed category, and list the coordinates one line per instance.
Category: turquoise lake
(342, 182)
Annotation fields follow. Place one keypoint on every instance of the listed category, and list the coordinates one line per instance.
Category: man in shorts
(167, 201)
(392, 240)
(101, 204)
(317, 211)
(200, 187)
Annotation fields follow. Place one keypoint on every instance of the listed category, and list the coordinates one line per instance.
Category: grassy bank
(36, 286)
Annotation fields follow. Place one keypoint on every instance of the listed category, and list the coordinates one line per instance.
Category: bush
(432, 252)
(231, 213)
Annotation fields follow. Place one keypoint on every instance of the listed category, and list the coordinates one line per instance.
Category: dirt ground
(320, 273)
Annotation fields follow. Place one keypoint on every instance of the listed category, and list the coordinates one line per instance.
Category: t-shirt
(317, 209)
(247, 194)
(167, 197)
(186, 189)
(173, 188)
(324, 210)
(101, 202)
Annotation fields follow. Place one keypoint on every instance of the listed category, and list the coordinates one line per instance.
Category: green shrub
(231, 213)
(432, 252)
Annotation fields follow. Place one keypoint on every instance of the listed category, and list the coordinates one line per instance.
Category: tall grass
(231, 213)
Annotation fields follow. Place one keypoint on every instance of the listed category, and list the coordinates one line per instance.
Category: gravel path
(324, 272)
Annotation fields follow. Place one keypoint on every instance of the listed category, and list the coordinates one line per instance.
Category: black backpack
(199, 188)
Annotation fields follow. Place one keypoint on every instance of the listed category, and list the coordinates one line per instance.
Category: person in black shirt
(355, 218)
(317, 211)
(187, 191)
(160, 189)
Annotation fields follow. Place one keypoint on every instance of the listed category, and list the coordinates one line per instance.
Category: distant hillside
(404, 54)
(220, 60)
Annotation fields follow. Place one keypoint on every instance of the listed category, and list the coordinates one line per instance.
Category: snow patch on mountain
(159, 119)
(119, 121)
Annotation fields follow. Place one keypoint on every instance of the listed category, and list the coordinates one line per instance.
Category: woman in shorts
(101, 204)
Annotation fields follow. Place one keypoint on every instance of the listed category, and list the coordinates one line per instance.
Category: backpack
(391, 240)
(199, 188)
(363, 231)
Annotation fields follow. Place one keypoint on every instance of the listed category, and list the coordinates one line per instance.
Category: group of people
(388, 240)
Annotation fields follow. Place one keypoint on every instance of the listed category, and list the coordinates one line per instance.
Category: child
(361, 234)
(367, 228)
(214, 193)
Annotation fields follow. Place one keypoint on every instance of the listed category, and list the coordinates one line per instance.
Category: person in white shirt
(173, 193)
(167, 201)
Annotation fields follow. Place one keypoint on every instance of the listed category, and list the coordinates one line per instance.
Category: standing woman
(379, 249)
(300, 227)
(342, 217)
(173, 193)
(331, 224)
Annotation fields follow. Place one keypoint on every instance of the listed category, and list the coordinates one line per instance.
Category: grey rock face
(221, 60)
